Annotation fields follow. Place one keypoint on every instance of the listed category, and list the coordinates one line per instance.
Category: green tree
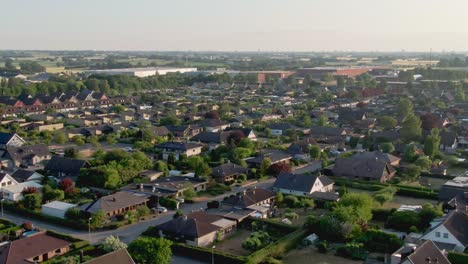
(148, 250)
(60, 138)
(71, 153)
(98, 219)
(314, 152)
(412, 172)
(432, 143)
(50, 194)
(321, 120)
(387, 147)
(266, 163)
(423, 162)
(161, 166)
(112, 243)
(189, 193)
(404, 106)
(78, 140)
(387, 122)
(32, 201)
(411, 128)
(410, 154)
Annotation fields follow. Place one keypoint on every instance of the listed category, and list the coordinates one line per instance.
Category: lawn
(310, 255)
(398, 200)
(233, 243)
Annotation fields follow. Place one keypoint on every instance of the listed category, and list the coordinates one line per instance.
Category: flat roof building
(142, 72)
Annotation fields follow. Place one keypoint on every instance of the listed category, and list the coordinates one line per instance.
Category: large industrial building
(143, 72)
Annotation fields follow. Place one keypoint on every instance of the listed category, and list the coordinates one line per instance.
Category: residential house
(328, 131)
(6, 180)
(452, 188)
(184, 131)
(228, 172)
(247, 132)
(10, 140)
(116, 204)
(213, 125)
(179, 148)
(451, 233)
(369, 169)
(276, 156)
(120, 256)
(27, 175)
(36, 248)
(172, 187)
(257, 199)
(24, 156)
(426, 253)
(197, 228)
(318, 187)
(300, 149)
(14, 192)
(65, 167)
(279, 129)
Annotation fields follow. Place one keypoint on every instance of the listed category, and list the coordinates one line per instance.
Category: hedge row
(279, 248)
(280, 227)
(47, 218)
(169, 203)
(403, 190)
(206, 254)
(458, 258)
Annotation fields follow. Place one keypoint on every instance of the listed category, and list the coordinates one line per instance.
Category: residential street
(131, 232)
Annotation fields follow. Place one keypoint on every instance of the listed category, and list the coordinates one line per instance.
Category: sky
(235, 25)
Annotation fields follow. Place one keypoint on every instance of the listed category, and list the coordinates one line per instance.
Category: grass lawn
(310, 255)
(233, 243)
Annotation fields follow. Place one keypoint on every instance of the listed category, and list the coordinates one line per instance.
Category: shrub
(168, 202)
(256, 241)
(402, 220)
(352, 251)
(322, 247)
(291, 216)
(379, 241)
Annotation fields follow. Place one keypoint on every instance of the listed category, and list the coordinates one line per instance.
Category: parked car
(128, 149)
(181, 200)
(159, 209)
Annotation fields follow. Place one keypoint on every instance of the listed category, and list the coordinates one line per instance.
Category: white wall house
(56, 208)
(448, 232)
(14, 192)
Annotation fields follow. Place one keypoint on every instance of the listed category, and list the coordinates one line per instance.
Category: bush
(352, 251)
(291, 201)
(256, 241)
(291, 216)
(322, 247)
(168, 202)
(202, 254)
(212, 204)
(458, 258)
(402, 220)
(382, 214)
(379, 241)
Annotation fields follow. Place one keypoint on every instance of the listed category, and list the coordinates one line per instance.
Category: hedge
(271, 224)
(382, 214)
(47, 218)
(168, 202)
(403, 190)
(279, 248)
(458, 258)
(205, 254)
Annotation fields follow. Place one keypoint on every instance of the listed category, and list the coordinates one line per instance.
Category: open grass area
(398, 200)
(233, 243)
(310, 255)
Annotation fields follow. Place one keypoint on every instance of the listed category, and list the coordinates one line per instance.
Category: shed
(57, 208)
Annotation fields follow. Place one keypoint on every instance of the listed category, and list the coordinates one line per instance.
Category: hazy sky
(277, 25)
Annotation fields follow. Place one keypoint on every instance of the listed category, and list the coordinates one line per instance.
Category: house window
(58, 251)
(36, 258)
(437, 234)
(445, 235)
(3, 184)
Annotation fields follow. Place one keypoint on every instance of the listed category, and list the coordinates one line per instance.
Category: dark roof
(6, 137)
(447, 138)
(249, 197)
(301, 146)
(313, 166)
(428, 252)
(120, 256)
(368, 168)
(65, 165)
(376, 155)
(228, 169)
(281, 126)
(211, 122)
(327, 131)
(17, 251)
(273, 154)
(22, 175)
(113, 202)
(193, 225)
(27, 152)
(299, 182)
(177, 145)
(3, 175)
(212, 137)
(457, 223)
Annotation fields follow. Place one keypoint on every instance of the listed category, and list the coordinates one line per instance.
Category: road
(130, 232)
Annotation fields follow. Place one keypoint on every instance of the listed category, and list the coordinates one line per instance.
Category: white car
(160, 209)
(181, 200)
(128, 149)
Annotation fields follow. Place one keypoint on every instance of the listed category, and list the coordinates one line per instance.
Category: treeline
(112, 84)
(433, 74)
(453, 62)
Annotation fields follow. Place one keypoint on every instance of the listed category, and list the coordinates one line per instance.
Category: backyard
(311, 255)
(233, 243)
